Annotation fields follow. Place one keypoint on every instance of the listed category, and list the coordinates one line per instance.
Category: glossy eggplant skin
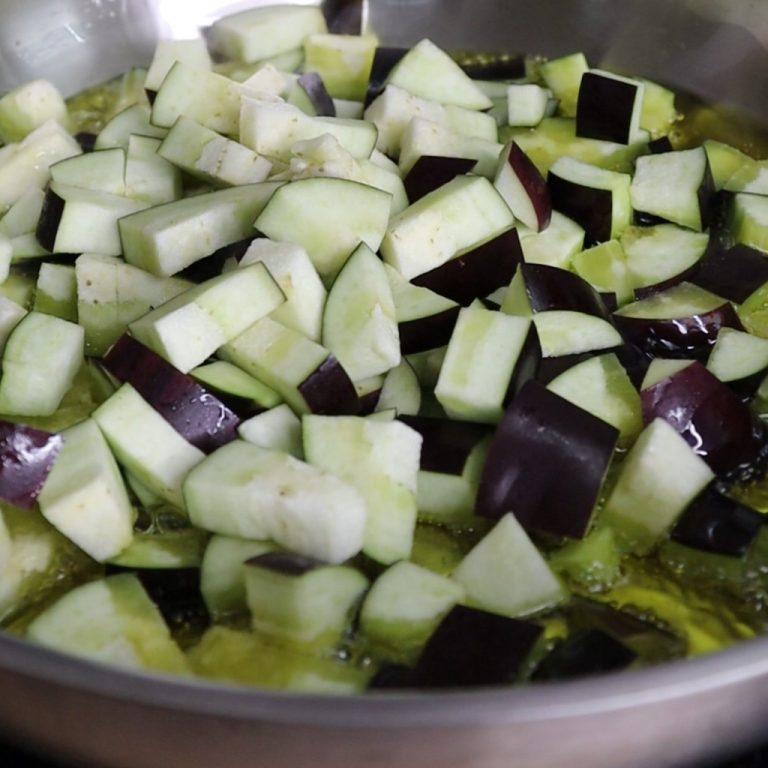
(447, 442)
(213, 265)
(384, 61)
(683, 337)
(718, 524)
(533, 183)
(710, 417)
(546, 464)
(472, 647)
(590, 207)
(27, 456)
(329, 390)
(313, 86)
(192, 410)
(731, 272)
(551, 288)
(478, 272)
(425, 333)
(605, 108)
(432, 171)
(50, 217)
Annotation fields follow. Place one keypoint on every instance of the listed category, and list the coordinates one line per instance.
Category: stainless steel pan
(673, 715)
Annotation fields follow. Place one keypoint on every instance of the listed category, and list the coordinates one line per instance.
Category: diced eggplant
(709, 415)
(682, 321)
(343, 60)
(477, 271)
(432, 171)
(472, 647)
(550, 288)
(384, 60)
(523, 188)
(740, 360)
(86, 140)
(194, 412)
(27, 456)
(546, 464)
(212, 266)
(675, 186)
(447, 442)
(595, 198)
(734, 273)
(314, 88)
(584, 653)
(609, 107)
(718, 524)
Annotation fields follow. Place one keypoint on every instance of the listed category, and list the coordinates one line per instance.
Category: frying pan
(678, 714)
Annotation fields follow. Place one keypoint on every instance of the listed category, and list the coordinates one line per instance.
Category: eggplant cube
(660, 476)
(597, 199)
(711, 418)
(301, 600)
(28, 455)
(546, 464)
(472, 647)
(609, 107)
(674, 186)
(490, 354)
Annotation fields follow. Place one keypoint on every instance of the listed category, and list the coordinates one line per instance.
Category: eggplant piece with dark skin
(287, 563)
(546, 464)
(430, 172)
(551, 288)
(590, 207)
(733, 273)
(447, 442)
(86, 140)
(472, 647)
(523, 188)
(193, 411)
(718, 524)
(494, 66)
(329, 390)
(605, 108)
(27, 456)
(633, 359)
(344, 17)
(50, 218)
(384, 61)
(681, 337)
(213, 265)
(711, 418)
(478, 272)
(314, 87)
(584, 653)
(425, 333)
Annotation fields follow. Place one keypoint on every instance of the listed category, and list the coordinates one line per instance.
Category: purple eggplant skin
(313, 85)
(27, 456)
(328, 390)
(193, 411)
(344, 17)
(213, 265)
(733, 273)
(680, 277)
(534, 184)
(384, 61)
(447, 442)
(430, 172)
(86, 140)
(471, 647)
(583, 653)
(711, 418)
(683, 337)
(478, 272)
(425, 333)
(527, 365)
(715, 523)
(50, 218)
(546, 464)
(552, 288)
(368, 402)
(496, 66)
(286, 563)
(151, 96)
(589, 207)
(634, 361)
(604, 108)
